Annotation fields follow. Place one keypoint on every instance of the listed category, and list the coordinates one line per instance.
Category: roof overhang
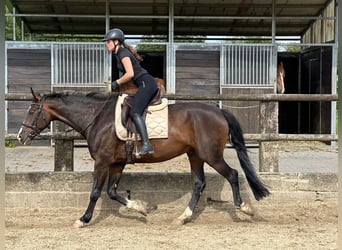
(152, 17)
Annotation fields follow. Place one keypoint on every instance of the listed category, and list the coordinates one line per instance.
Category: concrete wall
(69, 189)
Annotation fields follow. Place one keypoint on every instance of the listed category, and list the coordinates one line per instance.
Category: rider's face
(111, 45)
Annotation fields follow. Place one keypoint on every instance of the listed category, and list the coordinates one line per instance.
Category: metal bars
(244, 65)
(81, 64)
(248, 65)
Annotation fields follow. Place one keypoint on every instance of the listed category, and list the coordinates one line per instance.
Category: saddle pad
(156, 120)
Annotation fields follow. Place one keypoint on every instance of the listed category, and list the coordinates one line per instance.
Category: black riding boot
(140, 125)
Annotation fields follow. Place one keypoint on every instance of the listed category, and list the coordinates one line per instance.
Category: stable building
(198, 47)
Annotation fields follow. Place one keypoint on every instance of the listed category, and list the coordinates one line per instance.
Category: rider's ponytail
(133, 51)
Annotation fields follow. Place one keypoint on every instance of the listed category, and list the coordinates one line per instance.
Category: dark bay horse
(197, 129)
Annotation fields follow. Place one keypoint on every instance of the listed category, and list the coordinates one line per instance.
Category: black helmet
(114, 34)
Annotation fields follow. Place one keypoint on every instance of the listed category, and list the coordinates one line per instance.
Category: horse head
(280, 78)
(35, 120)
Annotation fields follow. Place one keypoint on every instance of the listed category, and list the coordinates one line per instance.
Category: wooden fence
(267, 138)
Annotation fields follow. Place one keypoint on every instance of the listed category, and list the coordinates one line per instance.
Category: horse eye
(32, 109)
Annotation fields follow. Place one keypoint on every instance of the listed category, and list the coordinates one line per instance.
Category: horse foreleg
(198, 187)
(114, 177)
(99, 177)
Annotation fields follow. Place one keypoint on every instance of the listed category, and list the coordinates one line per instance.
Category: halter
(35, 130)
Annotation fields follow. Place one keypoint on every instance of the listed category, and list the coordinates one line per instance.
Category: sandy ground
(294, 224)
(216, 225)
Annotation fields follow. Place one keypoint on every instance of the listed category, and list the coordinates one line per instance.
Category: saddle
(155, 116)
(126, 108)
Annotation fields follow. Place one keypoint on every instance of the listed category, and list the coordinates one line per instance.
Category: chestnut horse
(280, 78)
(200, 130)
(131, 88)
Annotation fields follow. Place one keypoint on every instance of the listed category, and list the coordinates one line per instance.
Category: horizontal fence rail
(260, 97)
(224, 97)
(73, 135)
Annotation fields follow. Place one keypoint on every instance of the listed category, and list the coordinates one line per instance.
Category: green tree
(163, 38)
(9, 23)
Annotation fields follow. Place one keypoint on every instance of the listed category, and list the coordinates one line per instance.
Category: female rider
(128, 64)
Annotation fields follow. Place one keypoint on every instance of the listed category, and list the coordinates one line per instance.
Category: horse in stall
(280, 78)
(131, 88)
(188, 132)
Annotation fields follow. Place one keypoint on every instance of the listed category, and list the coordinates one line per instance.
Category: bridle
(34, 126)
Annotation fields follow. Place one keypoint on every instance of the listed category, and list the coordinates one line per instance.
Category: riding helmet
(114, 34)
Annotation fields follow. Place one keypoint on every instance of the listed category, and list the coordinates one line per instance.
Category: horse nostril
(19, 137)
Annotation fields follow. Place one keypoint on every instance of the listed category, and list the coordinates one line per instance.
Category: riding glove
(115, 86)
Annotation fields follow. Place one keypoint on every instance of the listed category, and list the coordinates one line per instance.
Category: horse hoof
(245, 208)
(143, 212)
(138, 206)
(178, 222)
(141, 207)
(79, 224)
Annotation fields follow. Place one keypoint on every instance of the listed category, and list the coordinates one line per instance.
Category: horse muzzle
(24, 136)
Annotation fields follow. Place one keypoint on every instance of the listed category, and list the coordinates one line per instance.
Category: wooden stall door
(197, 72)
(315, 117)
(26, 68)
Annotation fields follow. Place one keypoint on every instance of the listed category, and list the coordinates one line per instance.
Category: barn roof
(151, 17)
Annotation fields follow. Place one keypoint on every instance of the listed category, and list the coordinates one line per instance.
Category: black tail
(238, 142)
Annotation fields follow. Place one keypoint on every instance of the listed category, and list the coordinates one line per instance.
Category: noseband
(34, 126)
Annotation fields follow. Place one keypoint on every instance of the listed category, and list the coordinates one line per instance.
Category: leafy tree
(293, 48)
(163, 38)
(9, 23)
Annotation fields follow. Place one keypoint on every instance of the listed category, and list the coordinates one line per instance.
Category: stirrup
(142, 152)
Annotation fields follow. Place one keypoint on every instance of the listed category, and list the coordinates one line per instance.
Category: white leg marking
(184, 217)
(137, 205)
(79, 224)
(244, 207)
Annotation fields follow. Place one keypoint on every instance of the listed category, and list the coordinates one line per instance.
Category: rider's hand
(115, 86)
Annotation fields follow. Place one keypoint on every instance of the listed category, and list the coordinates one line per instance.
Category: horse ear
(35, 95)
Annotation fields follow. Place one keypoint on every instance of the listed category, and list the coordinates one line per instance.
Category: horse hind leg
(232, 176)
(199, 184)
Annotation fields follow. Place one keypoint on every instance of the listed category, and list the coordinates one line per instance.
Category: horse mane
(61, 96)
(55, 95)
(91, 96)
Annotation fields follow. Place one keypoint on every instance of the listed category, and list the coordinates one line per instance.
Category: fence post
(268, 151)
(64, 155)
(64, 150)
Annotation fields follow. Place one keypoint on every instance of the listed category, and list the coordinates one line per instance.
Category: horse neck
(79, 114)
